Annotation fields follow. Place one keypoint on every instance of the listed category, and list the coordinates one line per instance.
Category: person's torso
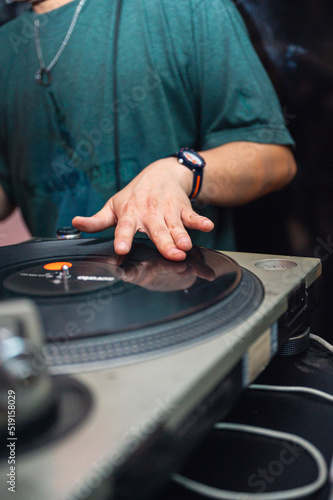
(59, 141)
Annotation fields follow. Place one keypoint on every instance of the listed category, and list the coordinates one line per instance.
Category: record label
(62, 279)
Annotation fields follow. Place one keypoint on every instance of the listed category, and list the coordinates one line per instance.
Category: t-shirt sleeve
(237, 99)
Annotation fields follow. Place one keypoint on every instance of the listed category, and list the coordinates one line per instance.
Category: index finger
(124, 234)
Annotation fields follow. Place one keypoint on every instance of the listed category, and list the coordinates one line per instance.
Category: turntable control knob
(68, 233)
(297, 344)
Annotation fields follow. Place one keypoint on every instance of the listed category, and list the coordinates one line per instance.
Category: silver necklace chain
(43, 75)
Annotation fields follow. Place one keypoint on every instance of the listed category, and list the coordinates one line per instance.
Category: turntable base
(163, 350)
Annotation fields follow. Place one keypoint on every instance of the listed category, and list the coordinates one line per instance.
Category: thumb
(103, 219)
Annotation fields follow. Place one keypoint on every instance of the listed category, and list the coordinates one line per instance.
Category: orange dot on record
(56, 266)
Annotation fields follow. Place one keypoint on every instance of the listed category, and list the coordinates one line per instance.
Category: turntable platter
(132, 305)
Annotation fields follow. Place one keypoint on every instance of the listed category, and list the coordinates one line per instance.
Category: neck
(48, 5)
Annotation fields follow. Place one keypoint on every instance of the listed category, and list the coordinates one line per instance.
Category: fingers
(163, 222)
(124, 234)
(103, 219)
(160, 234)
(189, 219)
(192, 220)
(178, 232)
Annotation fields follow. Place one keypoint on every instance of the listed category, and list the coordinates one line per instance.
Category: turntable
(144, 355)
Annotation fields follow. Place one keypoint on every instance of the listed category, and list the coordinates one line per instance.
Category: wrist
(192, 160)
(178, 172)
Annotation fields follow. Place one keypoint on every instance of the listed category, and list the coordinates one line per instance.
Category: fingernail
(185, 241)
(122, 247)
(207, 222)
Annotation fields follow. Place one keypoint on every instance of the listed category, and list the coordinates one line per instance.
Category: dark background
(294, 39)
(8, 11)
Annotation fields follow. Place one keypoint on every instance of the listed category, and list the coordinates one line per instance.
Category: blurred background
(12, 230)
(294, 39)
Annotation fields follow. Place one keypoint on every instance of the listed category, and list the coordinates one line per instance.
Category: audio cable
(317, 456)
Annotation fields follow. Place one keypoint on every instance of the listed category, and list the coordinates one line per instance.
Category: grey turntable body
(132, 402)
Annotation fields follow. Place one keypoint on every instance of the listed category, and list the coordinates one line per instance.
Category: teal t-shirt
(187, 75)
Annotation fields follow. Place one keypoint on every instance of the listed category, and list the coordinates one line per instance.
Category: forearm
(239, 172)
(6, 208)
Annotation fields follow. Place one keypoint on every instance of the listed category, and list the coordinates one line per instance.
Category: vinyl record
(140, 289)
(134, 304)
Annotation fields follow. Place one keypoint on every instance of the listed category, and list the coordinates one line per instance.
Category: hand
(155, 202)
